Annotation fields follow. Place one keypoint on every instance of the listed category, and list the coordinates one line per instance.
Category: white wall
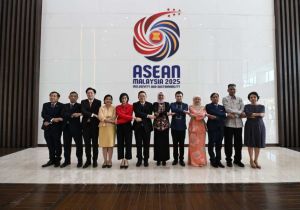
(89, 43)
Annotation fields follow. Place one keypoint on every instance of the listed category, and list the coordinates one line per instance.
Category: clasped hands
(55, 120)
(232, 115)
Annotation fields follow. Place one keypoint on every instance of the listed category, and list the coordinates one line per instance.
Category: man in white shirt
(234, 107)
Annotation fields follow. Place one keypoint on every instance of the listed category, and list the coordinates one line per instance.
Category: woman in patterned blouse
(161, 130)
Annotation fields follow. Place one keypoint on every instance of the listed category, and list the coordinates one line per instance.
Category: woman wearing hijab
(161, 130)
(197, 133)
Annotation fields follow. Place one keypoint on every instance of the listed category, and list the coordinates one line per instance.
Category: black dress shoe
(229, 164)
(95, 164)
(175, 162)
(181, 162)
(64, 164)
(87, 164)
(79, 164)
(215, 165)
(49, 163)
(146, 164)
(158, 163)
(57, 164)
(138, 163)
(239, 164)
(220, 165)
(164, 163)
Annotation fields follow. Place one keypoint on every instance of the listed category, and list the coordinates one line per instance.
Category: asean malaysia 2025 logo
(157, 38)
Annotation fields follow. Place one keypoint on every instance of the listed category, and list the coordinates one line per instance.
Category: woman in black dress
(255, 132)
(161, 130)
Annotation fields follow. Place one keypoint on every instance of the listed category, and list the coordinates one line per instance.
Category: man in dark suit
(72, 129)
(215, 125)
(52, 126)
(142, 127)
(178, 127)
(90, 109)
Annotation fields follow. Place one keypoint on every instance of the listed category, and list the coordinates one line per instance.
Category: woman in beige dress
(107, 130)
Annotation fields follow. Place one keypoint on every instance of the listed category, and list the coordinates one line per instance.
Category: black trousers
(142, 139)
(53, 140)
(215, 138)
(124, 140)
(178, 138)
(161, 145)
(90, 136)
(68, 134)
(235, 133)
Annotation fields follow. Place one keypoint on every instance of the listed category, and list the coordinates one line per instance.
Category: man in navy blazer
(215, 125)
(52, 126)
(178, 127)
(72, 129)
(142, 127)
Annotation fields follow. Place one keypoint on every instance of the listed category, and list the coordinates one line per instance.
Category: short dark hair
(213, 94)
(121, 96)
(231, 85)
(54, 92)
(90, 88)
(179, 92)
(253, 93)
(106, 96)
(142, 92)
(73, 92)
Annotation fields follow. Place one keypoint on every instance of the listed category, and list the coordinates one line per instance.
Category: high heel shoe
(109, 165)
(122, 164)
(257, 165)
(126, 164)
(104, 165)
(252, 164)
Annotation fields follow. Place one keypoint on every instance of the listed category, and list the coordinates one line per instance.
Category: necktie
(52, 105)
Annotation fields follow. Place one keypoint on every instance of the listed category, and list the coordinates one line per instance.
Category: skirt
(107, 136)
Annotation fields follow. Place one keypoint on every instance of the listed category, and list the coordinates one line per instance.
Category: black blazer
(219, 112)
(142, 112)
(87, 111)
(73, 123)
(48, 113)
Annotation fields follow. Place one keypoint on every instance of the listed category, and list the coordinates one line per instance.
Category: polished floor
(7, 151)
(278, 165)
(150, 197)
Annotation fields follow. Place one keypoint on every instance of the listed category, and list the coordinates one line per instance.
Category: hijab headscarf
(160, 100)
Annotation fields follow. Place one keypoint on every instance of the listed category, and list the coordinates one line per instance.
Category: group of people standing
(100, 124)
